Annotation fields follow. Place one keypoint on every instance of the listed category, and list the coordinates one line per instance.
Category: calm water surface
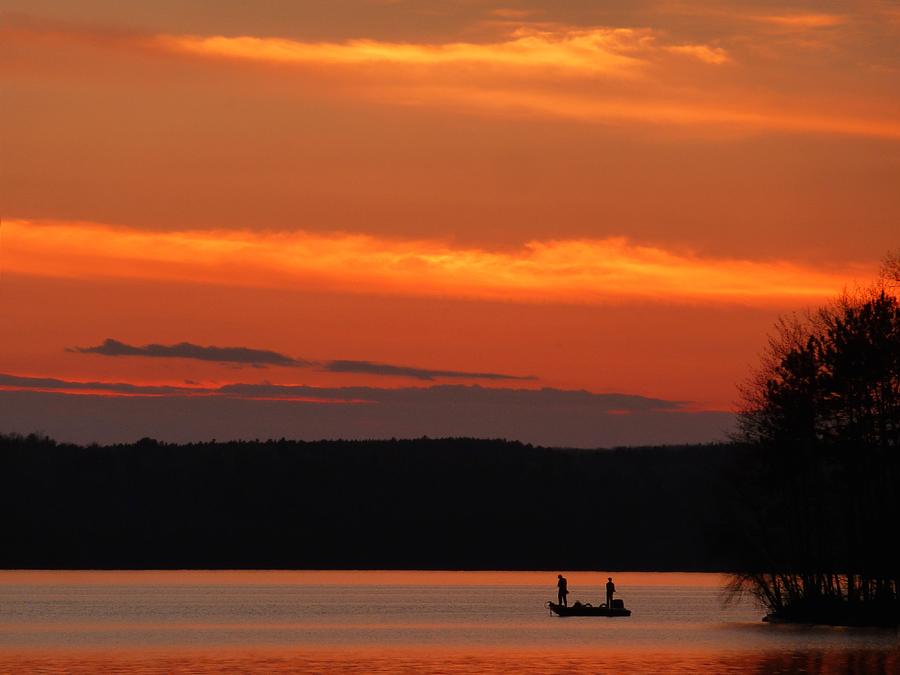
(371, 622)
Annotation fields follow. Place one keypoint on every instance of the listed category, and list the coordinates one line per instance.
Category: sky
(567, 223)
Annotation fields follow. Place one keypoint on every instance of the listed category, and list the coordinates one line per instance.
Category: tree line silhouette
(425, 503)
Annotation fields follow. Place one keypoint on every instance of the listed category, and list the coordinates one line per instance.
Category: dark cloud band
(439, 395)
(119, 412)
(53, 384)
(261, 358)
(187, 350)
(387, 369)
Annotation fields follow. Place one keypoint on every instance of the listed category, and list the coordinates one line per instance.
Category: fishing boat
(587, 609)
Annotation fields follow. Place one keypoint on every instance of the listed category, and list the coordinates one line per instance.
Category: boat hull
(587, 610)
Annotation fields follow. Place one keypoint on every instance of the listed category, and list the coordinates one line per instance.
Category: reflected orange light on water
(327, 621)
(603, 659)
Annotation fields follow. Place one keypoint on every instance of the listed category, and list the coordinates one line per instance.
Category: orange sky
(616, 197)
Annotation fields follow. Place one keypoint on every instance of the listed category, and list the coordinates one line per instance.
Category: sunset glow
(574, 271)
(593, 51)
(449, 336)
(539, 71)
(519, 207)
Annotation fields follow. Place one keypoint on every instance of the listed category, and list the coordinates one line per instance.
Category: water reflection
(416, 660)
(281, 622)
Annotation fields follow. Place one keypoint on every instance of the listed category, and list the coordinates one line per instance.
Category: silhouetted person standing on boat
(610, 589)
(563, 587)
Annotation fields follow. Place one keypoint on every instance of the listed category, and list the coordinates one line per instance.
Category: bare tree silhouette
(823, 414)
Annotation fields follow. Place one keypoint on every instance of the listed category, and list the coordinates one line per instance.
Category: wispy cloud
(645, 80)
(614, 403)
(187, 350)
(16, 383)
(441, 395)
(756, 14)
(705, 53)
(261, 358)
(24, 383)
(579, 271)
(598, 75)
(600, 50)
(802, 21)
(372, 368)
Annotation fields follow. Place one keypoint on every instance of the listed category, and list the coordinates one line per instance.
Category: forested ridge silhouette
(452, 503)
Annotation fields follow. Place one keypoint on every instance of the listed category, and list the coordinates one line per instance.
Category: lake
(408, 622)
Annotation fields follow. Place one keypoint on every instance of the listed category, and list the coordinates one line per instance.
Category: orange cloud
(714, 55)
(599, 50)
(596, 75)
(511, 81)
(802, 21)
(622, 109)
(617, 51)
(563, 271)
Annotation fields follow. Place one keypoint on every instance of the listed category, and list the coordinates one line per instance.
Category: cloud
(569, 271)
(705, 53)
(15, 382)
(628, 110)
(519, 76)
(450, 395)
(371, 368)
(264, 357)
(579, 52)
(597, 75)
(187, 350)
(49, 385)
(802, 21)
(115, 412)
(794, 20)
(610, 51)
(435, 395)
